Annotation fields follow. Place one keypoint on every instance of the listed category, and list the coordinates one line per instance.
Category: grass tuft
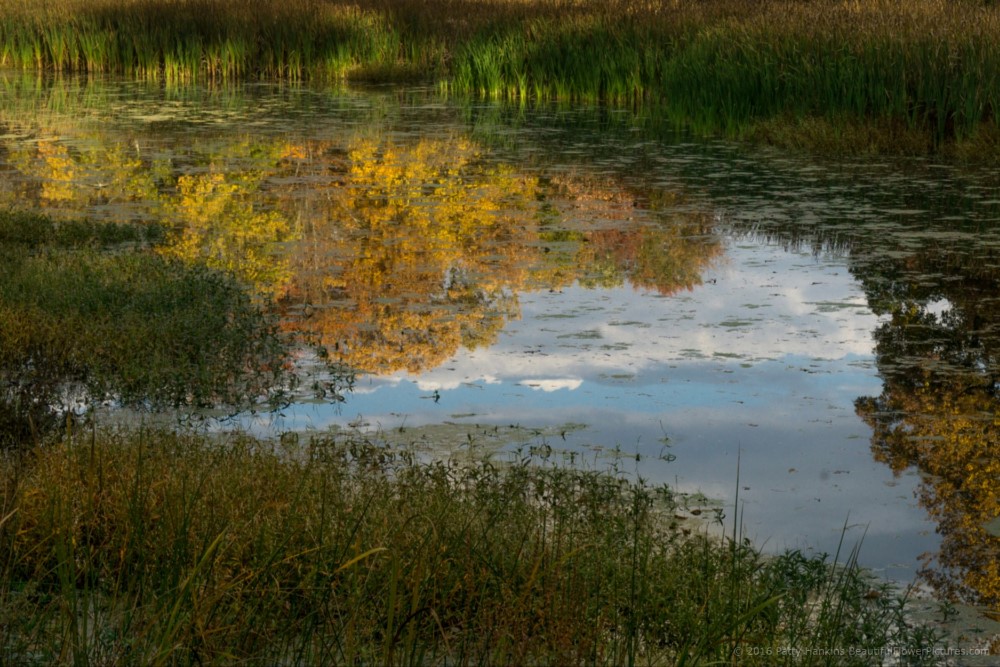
(87, 316)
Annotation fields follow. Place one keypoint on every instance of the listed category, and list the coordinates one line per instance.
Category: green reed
(721, 65)
(732, 78)
(154, 547)
(554, 59)
(191, 39)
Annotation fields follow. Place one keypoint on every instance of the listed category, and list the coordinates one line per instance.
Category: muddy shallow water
(585, 279)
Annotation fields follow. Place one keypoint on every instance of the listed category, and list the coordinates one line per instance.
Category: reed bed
(155, 547)
(188, 40)
(721, 65)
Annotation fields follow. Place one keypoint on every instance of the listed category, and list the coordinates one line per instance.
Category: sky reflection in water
(765, 358)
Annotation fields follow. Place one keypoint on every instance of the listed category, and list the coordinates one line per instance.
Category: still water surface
(582, 279)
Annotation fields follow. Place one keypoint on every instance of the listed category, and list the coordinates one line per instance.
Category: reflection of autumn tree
(95, 171)
(953, 436)
(665, 258)
(219, 221)
(937, 287)
(393, 251)
(939, 409)
(59, 186)
(639, 237)
(215, 212)
(426, 245)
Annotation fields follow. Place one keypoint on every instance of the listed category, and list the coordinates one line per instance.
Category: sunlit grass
(189, 40)
(722, 65)
(149, 547)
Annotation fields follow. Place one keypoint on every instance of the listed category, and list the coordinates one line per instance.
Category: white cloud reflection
(764, 304)
(554, 385)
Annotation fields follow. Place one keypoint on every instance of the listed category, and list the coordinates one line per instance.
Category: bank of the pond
(160, 547)
(885, 75)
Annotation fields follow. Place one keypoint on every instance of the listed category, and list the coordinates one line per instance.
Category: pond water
(816, 337)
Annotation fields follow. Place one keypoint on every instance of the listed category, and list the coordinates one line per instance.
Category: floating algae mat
(688, 311)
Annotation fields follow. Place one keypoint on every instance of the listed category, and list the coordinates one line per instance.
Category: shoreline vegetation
(88, 315)
(155, 547)
(888, 76)
(170, 547)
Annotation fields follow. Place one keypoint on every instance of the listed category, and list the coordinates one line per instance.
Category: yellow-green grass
(86, 315)
(152, 547)
(184, 40)
(723, 65)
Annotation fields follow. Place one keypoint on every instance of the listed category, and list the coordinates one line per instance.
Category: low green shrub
(86, 317)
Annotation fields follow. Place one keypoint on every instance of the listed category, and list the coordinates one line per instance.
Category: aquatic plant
(174, 548)
(188, 40)
(82, 320)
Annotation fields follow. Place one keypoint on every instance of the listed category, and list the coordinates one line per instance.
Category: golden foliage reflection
(940, 412)
(393, 252)
(423, 247)
(216, 212)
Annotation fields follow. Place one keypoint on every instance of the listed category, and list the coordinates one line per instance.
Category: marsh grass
(153, 547)
(854, 135)
(932, 67)
(188, 40)
(29, 231)
(86, 316)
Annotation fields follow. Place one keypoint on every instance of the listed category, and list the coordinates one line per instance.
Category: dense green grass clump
(165, 548)
(584, 57)
(85, 316)
(26, 231)
(930, 68)
(183, 40)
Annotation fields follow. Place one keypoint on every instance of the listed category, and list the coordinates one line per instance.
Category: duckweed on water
(150, 547)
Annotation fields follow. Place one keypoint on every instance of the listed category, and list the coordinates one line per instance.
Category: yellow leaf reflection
(218, 216)
(392, 250)
(940, 412)
(424, 245)
(60, 173)
(418, 252)
(217, 222)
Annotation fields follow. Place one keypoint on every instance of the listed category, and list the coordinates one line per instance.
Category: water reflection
(211, 200)
(938, 411)
(932, 274)
(422, 247)
(561, 266)
(391, 248)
